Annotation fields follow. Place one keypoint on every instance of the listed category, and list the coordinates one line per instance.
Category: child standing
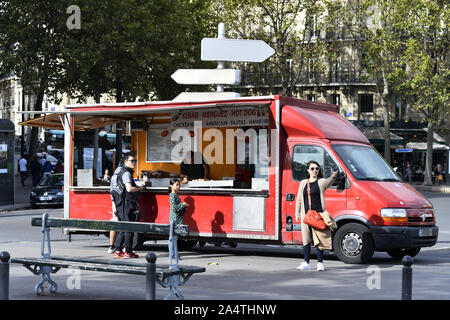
(177, 208)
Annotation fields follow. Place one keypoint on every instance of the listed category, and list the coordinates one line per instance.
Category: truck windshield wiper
(391, 179)
(369, 179)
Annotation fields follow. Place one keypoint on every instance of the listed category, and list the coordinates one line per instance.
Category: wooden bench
(170, 276)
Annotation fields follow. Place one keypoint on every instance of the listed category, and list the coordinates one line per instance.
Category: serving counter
(183, 190)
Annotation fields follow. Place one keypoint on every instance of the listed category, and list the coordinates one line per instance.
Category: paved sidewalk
(21, 195)
(442, 188)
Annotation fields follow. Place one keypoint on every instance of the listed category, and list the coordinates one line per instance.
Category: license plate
(425, 232)
(45, 198)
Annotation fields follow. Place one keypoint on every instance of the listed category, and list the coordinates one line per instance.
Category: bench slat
(93, 266)
(183, 268)
(104, 225)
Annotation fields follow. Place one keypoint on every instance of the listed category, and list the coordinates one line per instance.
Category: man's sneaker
(320, 266)
(111, 249)
(304, 266)
(129, 255)
(118, 254)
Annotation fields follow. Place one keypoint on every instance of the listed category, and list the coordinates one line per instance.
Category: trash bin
(7, 135)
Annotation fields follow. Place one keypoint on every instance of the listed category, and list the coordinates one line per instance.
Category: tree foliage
(127, 49)
(293, 28)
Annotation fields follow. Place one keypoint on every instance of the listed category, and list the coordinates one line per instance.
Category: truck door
(299, 155)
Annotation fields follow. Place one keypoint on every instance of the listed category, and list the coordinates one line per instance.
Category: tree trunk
(35, 130)
(428, 180)
(387, 134)
(96, 132)
(119, 98)
(387, 118)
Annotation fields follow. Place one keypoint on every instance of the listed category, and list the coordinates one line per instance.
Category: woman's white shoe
(304, 266)
(320, 266)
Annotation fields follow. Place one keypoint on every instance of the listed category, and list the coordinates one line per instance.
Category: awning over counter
(423, 146)
(376, 135)
(86, 120)
(82, 122)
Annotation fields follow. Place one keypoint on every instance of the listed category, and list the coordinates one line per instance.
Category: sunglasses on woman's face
(314, 168)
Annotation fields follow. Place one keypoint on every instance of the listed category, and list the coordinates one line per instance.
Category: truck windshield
(365, 163)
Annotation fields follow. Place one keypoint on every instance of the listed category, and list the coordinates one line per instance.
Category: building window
(335, 99)
(311, 69)
(366, 103)
(311, 25)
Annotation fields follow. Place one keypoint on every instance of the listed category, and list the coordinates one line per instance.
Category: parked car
(57, 153)
(49, 192)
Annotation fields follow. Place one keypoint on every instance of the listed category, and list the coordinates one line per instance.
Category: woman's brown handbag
(313, 218)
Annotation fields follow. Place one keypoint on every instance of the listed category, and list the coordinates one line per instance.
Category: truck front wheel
(352, 243)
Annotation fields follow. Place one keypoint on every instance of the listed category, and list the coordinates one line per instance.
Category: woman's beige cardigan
(319, 238)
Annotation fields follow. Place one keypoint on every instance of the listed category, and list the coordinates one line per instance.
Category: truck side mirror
(341, 179)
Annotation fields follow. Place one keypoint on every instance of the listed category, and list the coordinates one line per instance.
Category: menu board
(159, 144)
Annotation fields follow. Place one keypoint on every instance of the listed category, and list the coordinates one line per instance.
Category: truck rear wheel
(400, 253)
(352, 243)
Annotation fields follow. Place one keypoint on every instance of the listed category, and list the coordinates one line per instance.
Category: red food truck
(257, 149)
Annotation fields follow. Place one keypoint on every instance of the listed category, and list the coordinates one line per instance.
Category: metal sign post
(221, 49)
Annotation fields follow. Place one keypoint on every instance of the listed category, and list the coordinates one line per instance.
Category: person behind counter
(177, 208)
(190, 170)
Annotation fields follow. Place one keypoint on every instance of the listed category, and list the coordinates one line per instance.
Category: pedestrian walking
(36, 170)
(47, 169)
(408, 176)
(177, 208)
(125, 195)
(321, 239)
(23, 168)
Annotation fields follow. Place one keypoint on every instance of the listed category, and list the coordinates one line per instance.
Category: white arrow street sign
(201, 96)
(207, 76)
(222, 49)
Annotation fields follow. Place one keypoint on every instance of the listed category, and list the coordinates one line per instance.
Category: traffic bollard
(407, 262)
(4, 275)
(150, 292)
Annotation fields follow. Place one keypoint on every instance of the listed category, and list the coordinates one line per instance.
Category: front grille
(419, 219)
(425, 241)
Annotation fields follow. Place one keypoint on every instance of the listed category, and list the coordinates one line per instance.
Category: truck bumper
(391, 237)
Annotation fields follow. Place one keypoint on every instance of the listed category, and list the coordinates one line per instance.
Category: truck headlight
(394, 214)
(33, 194)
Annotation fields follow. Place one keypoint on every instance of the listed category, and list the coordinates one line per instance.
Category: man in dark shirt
(191, 168)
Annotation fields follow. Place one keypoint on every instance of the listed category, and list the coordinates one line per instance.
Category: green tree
(378, 37)
(426, 71)
(31, 42)
(293, 28)
(127, 49)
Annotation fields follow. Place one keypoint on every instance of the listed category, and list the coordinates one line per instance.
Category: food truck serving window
(187, 129)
